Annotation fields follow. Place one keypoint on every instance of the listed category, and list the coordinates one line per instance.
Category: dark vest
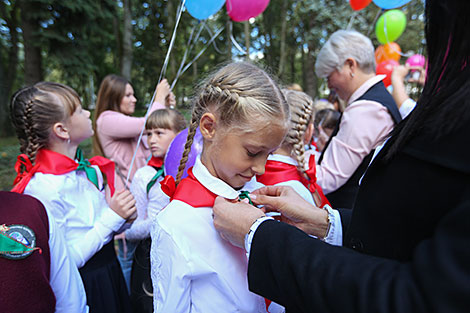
(345, 196)
(24, 283)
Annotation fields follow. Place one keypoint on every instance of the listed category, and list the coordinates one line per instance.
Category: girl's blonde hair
(302, 113)
(35, 109)
(167, 119)
(110, 94)
(241, 95)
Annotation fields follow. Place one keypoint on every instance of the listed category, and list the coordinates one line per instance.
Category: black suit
(407, 239)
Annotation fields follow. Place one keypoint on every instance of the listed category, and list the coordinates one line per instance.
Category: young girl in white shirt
(243, 117)
(161, 128)
(288, 165)
(50, 124)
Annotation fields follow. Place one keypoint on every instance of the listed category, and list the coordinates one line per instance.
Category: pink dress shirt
(118, 134)
(364, 126)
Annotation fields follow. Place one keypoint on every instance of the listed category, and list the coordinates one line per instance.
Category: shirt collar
(282, 158)
(218, 186)
(364, 87)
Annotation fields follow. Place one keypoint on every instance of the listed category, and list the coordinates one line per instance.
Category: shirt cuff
(335, 233)
(111, 220)
(251, 233)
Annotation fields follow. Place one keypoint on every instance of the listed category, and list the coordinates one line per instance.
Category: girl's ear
(308, 133)
(60, 131)
(207, 125)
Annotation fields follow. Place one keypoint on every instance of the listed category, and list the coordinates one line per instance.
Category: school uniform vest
(345, 196)
(24, 283)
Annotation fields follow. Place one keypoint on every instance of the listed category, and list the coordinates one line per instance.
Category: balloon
(389, 51)
(386, 68)
(202, 9)
(357, 5)
(175, 152)
(416, 60)
(390, 4)
(390, 26)
(243, 10)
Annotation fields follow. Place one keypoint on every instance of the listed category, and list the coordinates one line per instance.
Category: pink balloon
(416, 60)
(243, 10)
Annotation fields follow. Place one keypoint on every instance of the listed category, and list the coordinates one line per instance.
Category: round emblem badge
(24, 235)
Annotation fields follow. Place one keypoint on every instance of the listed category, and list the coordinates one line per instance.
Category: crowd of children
(253, 133)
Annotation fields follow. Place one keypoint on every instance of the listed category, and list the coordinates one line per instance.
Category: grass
(10, 149)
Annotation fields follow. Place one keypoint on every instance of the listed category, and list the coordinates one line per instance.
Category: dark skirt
(141, 282)
(105, 287)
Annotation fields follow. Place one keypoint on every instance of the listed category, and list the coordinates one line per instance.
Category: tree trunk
(9, 70)
(32, 50)
(310, 86)
(126, 63)
(282, 54)
(247, 39)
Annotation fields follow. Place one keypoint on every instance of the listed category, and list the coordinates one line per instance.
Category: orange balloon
(389, 51)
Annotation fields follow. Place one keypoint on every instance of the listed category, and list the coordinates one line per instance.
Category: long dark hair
(444, 105)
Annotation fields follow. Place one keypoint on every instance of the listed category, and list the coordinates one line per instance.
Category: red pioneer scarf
(51, 162)
(277, 172)
(157, 164)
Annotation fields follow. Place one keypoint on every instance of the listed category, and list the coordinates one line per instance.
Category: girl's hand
(170, 101)
(123, 203)
(163, 90)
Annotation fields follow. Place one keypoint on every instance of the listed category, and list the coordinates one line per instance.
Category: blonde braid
(187, 147)
(31, 148)
(301, 115)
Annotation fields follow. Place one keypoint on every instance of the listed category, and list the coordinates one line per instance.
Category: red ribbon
(51, 162)
(155, 162)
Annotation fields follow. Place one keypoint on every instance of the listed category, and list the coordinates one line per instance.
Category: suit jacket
(406, 242)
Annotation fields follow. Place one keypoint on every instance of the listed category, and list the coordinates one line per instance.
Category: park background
(79, 42)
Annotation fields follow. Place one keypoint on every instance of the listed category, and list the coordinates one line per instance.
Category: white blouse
(79, 209)
(193, 268)
(148, 205)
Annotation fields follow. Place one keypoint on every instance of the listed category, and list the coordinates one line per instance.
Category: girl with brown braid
(243, 117)
(288, 165)
(50, 124)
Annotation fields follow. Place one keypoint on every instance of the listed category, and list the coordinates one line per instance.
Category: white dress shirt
(65, 279)
(148, 205)
(79, 209)
(193, 268)
(295, 184)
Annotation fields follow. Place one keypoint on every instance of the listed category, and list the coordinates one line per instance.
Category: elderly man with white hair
(347, 61)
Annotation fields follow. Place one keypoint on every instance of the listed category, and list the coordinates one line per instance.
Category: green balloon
(390, 26)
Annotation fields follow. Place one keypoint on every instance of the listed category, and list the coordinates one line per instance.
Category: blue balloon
(202, 9)
(390, 4)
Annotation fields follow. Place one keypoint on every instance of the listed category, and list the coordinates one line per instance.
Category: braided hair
(238, 93)
(35, 109)
(302, 113)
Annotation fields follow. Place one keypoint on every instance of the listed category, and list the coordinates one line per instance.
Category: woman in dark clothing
(406, 241)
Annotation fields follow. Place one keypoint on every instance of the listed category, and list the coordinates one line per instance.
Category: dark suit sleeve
(308, 275)
(345, 218)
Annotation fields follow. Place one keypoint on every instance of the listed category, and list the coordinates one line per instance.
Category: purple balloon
(175, 152)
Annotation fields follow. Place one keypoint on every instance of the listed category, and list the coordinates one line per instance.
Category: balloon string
(353, 16)
(199, 54)
(163, 71)
(189, 47)
(214, 43)
(235, 43)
